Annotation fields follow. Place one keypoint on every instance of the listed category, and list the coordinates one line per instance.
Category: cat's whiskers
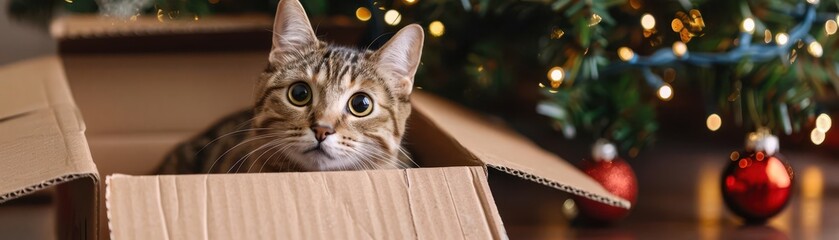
(258, 137)
(227, 135)
(281, 151)
(374, 155)
(246, 156)
(273, 144)
(282, 148)
(408, 156)
(386, 156)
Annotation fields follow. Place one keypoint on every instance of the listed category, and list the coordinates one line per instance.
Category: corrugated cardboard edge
(108, 202)
(45, 184)
(424, 103)
(563, 187)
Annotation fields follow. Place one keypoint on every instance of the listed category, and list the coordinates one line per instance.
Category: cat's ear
(399, 58)
(292, 30)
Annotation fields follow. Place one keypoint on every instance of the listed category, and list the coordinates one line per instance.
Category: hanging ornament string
(745, 49)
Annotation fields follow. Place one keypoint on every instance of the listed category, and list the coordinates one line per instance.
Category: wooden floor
(680, 198)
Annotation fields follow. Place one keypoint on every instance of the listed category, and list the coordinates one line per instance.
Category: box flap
(502, 149)
(42, 142)
(423, 203)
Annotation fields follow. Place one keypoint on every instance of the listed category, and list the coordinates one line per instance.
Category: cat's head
(327, 107)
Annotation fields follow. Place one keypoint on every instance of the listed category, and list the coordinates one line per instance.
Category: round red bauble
(756, 186)
(617, 177)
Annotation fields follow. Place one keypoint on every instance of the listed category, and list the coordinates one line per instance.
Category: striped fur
(276, 135)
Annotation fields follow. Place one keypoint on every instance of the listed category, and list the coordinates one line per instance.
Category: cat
(317, 107)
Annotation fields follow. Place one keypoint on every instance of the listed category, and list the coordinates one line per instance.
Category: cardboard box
(447, 198)
(42, 144)
(139, 103)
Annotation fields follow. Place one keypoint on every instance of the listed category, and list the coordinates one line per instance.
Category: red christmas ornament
(616, 176)
(757, 184)
(756, 187)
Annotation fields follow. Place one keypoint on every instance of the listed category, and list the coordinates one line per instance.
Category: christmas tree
(602, 66)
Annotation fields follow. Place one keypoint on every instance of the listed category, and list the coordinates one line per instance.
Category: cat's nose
(321, 132)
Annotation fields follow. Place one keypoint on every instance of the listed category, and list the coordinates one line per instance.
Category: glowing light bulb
(781, 38)
(648, 21)
(595, 19)
(815, 49)
(823, 122)
(363, 14)
(665, 92)
(816, 136)
(748, 25)
(767, 36)
(556, 75)
(679, 48)
(714, 122)
(677, 25)
(436, 28)
(830, 27)
(625, 54)
(410, 2)
(392, 17)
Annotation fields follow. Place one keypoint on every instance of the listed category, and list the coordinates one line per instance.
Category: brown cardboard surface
(42, 143)
(93, 26)
(506, 151)
(144, 94)
(423, 203)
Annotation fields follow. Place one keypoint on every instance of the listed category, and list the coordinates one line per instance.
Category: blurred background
(674, 88)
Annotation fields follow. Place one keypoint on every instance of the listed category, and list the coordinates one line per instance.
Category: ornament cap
(603, 150)
(762, 140)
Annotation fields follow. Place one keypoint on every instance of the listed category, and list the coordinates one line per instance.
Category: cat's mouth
(318, 150)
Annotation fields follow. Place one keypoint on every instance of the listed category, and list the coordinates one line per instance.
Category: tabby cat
(318, 107)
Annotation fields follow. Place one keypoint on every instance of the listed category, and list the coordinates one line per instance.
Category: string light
(648, 21)
(625, 54)
(748, 25)
(436, 28)
(665, 92)
(816, 136)
(595, 19)
(823, 122)
(160, 16)
(557, 33)
(815, 49)
(392, 17)
(363, 14)
(714, 122)
(677, 25)
(410, 2)
(680, 48)
(830, 27)
(781, 38)
(556, 75)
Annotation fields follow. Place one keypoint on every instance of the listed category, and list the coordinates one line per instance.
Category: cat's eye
(360, 105)
(299, 94)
